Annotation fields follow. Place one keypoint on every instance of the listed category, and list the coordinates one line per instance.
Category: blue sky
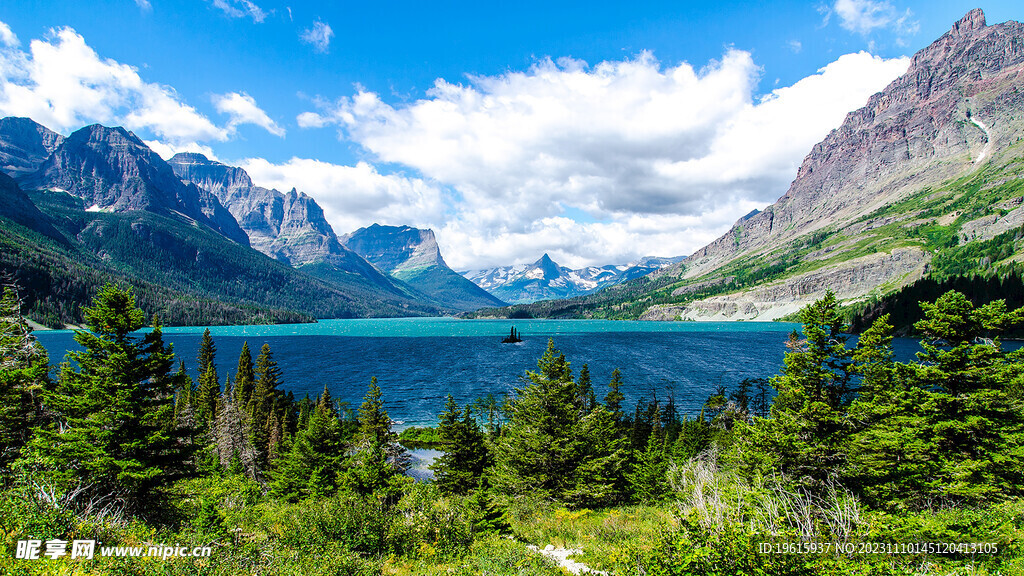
(596, 132)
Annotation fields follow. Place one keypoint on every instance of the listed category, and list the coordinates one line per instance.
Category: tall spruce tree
(24, 373)
(460, 468)
(804, 436)
(379, 460)
(262, 402)
(313, 464)
(114, 402)
(538, 452)
(245, 377)
(946, 428)
(208, 390)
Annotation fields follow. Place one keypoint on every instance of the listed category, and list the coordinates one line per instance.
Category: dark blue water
(418, 362)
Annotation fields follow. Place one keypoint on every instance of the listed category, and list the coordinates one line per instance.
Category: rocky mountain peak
(220, 179)
(111, 169)
(25, 145)
(548, 267)
(953, 107)
(395, 248)
(974, 20)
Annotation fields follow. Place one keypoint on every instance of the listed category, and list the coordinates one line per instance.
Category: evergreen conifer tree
(24, 373)
(115, 405)
(379, 459)
(209, 384)
(541, 447)
(460, 469)
(804, 436)
(262, 402)
(312, 466)
(245, 377)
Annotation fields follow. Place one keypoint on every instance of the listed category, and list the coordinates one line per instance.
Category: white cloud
(319, 36)
(311, 120)
(166, 150)
(144, 5)
(62, 83)
(865, 16)
(241, 9)
(355, 196)
(7, 38)
(242, 109)
(795, 45)
(656, 160)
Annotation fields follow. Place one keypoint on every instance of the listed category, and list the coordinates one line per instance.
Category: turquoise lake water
(419, 361)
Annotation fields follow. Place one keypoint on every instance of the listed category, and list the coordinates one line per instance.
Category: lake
(419, 361)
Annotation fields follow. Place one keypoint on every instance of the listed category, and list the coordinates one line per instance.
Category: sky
(597, 132)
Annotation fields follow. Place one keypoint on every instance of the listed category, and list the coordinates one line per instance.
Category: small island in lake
(513, 337)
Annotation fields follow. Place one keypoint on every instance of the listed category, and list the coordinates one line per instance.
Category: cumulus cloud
(319, 36)
(242, 109)
(62, 83)
(355, 196)
(659, 160)
(865, 16)
(241, 9)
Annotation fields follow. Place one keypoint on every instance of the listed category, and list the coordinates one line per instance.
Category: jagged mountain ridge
(112, 170)
(413, 256)
(289, 227)
(103, 207)
(546, 280)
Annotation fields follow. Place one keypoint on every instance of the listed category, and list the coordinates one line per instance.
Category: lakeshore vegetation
(847, 462)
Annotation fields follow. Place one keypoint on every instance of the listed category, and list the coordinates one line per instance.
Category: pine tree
(24, 373)
(613, 400)
(245, 377)
(540, 449)
(600, 476)
(380, 459)
(803, 437)
(460, 469)
(312, 466)
(209, 384)
(262, 401)
(648, 477)
(115, 407)
(585, 392)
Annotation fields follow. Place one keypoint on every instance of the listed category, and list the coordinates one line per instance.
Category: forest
(846, 462)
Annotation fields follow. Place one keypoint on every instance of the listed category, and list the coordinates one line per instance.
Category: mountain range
(546, 280)
(923, 181)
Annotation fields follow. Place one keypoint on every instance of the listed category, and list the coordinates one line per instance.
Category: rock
(110, 169)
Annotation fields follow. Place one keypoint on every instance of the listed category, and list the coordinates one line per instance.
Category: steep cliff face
(25, 145)
(950, 112)
(413, 256)
(111, 170)
(289, 227)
